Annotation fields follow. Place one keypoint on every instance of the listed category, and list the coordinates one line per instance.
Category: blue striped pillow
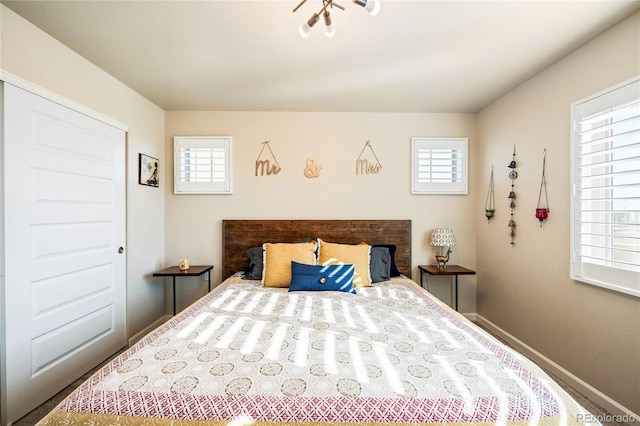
(321, 278)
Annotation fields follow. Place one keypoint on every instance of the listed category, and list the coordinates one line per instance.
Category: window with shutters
(202, 165)
(439, 166)
(606, 189)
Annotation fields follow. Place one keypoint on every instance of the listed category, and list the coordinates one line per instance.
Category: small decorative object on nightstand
(443, 237)
(184, 263)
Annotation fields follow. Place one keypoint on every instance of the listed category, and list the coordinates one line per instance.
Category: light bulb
(330, 30)
(304, 30)
(373, 7)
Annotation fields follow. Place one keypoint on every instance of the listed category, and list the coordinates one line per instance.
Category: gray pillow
(380, 264)
(392, 251)
(255, 264)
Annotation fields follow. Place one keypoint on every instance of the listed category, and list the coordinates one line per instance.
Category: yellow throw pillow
(333, 253)
(276, 269)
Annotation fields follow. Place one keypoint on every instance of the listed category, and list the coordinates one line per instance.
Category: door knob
(120, 250)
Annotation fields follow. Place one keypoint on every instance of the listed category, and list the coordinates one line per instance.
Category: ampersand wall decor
(313, 168)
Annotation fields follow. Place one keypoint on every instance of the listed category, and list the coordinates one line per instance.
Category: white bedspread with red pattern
(391, 354)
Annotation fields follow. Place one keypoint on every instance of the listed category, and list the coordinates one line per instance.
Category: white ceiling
(238, 55)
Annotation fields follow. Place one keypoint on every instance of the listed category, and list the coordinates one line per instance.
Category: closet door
(64, 237)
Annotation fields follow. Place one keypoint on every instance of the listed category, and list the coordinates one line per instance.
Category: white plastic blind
(606, 179)
(202, 165)
(439, 166)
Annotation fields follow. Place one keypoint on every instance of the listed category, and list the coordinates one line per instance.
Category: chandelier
(371, 6)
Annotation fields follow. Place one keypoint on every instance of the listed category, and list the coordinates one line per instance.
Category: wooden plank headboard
(239, 235)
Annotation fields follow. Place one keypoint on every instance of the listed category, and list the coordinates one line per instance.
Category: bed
(384, 353)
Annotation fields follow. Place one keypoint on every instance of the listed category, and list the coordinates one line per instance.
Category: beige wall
(526, 290)
(193, 222)
(32, 55)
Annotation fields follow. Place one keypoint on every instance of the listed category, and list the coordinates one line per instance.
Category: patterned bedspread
(245, 354)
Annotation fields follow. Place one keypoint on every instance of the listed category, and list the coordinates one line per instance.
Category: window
(439, 166)
(202, 165)
(605, 234)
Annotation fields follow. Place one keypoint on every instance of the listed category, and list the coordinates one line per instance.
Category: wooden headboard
(239, 235)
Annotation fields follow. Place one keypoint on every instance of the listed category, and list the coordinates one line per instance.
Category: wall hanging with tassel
(542, 209)
(513, 175)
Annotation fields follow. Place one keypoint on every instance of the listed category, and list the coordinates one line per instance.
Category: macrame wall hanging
(513, 175)
(490, 204)
(542, 209)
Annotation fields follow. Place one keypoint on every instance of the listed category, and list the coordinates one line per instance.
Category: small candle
(183, 263)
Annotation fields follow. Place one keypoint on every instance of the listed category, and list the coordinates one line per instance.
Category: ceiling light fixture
(371, 6)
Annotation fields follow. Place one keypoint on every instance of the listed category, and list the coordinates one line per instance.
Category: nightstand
(454, 270)
(174, 271)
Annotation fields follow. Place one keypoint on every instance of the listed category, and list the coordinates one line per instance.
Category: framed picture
(148, 170)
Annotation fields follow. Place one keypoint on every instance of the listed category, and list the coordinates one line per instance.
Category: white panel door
(64, 223)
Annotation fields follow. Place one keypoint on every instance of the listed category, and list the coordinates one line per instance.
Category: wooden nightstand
(174, 271)
(454, 270)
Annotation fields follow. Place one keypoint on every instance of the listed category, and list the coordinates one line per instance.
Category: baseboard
(583, 387)
(470, 316)
(139, 335)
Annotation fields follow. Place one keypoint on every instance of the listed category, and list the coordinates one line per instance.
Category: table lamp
(443, 237)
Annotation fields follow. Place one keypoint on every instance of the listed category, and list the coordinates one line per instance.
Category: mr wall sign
(263, 163)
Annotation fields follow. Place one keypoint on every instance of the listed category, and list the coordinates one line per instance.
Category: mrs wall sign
(367, 162)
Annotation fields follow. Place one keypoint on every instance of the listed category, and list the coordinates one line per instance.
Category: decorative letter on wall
(263, 163)
(365, 163)
(313, 168)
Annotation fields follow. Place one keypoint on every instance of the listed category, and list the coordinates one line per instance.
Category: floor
(33, 417)
(606, 418)
(38, 413)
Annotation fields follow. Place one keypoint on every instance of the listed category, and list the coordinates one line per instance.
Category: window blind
(606, 189)
(202, 165)
(439, 166)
